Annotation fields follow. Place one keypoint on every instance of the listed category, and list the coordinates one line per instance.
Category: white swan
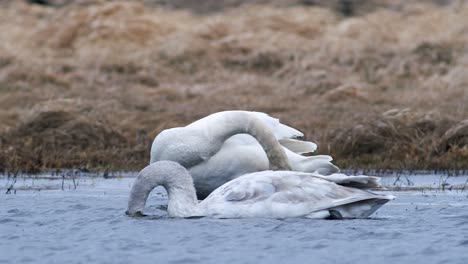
(275, 194)
(226, 145)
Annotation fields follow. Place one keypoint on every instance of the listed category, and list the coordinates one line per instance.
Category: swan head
(134, 213)
(174, 178)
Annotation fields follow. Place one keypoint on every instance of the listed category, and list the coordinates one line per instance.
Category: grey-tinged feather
(248, 190)
(360, 181)
(289, 194)
(291, 188)
(298, 146)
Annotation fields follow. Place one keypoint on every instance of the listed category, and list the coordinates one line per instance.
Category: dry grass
(114, 74)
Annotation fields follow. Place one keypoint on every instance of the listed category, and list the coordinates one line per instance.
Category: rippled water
(43, 224)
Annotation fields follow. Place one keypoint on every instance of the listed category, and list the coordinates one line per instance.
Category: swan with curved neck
(201, 140)
(276, 194)
(226, 145)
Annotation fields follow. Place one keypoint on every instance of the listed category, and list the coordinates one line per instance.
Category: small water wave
(88, 224)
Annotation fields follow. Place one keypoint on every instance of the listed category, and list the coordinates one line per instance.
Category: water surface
(43, 224)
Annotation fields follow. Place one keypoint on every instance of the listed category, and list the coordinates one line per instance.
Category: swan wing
(287, 187)
(359, 181)
(282, 194)
(320, 157)
(321, 163)
(298, 146)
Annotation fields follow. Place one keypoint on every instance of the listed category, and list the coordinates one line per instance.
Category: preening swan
(274, 194)
(226, 145)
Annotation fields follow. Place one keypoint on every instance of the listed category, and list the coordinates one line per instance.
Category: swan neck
(239, 122)
(182, 200)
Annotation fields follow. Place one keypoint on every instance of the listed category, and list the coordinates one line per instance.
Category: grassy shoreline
(90, 86)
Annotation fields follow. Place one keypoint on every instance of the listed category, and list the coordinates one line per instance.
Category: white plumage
(226, 145)
(275, 194)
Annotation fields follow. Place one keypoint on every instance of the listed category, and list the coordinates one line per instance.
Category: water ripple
(88, 226)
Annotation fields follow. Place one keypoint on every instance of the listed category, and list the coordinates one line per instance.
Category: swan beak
(135, 214)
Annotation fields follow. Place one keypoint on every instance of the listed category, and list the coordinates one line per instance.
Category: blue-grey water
(43, 224)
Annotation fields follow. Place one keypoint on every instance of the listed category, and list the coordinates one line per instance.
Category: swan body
(272, 194)
(226, 145)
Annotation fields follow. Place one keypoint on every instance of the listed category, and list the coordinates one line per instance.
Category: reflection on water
(43, 224)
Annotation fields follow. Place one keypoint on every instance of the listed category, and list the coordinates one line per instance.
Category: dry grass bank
(90, 86)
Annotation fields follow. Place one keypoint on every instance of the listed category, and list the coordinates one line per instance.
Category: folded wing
(291, 194)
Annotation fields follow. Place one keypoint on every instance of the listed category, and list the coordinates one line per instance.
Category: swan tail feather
(298, 146)
(353, 208)
(280, 130)
(359, 209)
(359, 182)
(320, 164)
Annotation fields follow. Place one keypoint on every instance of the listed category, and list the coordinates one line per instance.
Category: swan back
(283, 194)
